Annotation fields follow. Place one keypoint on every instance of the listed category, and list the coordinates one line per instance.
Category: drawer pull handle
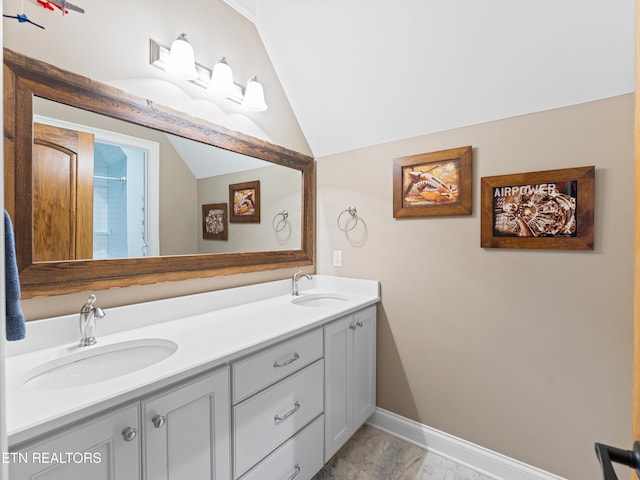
(295, 474)
(129, 434)
(282, 418)
(159, 421)
(291, 360)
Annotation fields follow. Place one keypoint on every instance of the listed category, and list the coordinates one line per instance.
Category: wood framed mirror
(27, 82)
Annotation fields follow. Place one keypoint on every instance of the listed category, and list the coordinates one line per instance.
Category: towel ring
(354, 214)
(281, 224)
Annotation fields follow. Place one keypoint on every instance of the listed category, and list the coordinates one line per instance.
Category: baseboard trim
(475, 457)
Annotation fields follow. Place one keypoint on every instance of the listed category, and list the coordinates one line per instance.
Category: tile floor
(374, 455)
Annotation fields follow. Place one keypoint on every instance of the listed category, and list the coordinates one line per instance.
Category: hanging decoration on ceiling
(22, 17)
(61, 5)
(52, 5)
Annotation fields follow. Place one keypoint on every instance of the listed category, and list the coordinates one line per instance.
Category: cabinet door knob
(353, 327)
(360, 324)
(159, 420)
(296, 472)
(129, 434)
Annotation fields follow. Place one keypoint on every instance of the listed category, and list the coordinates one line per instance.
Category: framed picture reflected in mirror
(215, 221)
(244, 201)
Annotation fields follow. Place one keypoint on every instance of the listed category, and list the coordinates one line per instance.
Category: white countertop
(221, 326)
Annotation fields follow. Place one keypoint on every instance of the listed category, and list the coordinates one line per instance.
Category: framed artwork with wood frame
(433, 184)
(551, 209)
(215, 221)
(244, 201)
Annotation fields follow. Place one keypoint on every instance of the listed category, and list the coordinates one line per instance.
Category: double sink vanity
(246, 383)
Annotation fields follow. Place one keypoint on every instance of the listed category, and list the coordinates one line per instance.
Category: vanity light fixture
(182, 60)
(254, 96)
(219, 81)
(221, 84)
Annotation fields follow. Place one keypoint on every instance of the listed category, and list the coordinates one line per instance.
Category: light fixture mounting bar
(159, 55)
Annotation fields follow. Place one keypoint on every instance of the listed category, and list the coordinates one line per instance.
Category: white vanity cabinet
(262, 388)
(350, 376)
(180, 432)
(106, 447)
(186, 431)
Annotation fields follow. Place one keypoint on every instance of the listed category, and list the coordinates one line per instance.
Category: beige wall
(524, 352)
(178, 194)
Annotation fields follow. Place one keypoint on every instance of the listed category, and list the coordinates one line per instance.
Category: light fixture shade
(221, 83)
(182, 61)
(254, 96)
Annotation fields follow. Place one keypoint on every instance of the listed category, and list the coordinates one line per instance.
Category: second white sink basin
(89, 365)
(318, 300)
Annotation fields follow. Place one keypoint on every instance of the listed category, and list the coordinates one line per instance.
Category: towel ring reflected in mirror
(280, 222)
(282, 227)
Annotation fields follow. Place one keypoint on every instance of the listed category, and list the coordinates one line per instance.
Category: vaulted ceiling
(363, 72)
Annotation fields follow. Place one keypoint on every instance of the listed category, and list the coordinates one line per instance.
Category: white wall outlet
(337, 258)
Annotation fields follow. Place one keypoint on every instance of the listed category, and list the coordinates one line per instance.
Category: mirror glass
(162, 196)
(149, 188)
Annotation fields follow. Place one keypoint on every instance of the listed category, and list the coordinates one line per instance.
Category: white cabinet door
(104, 448)
(350, 376)
(187, 431)
(364, 366)
(338, 355)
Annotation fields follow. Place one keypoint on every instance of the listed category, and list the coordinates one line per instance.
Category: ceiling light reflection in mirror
(181, 176)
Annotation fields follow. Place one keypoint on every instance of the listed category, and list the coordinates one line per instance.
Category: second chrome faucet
(295, 279)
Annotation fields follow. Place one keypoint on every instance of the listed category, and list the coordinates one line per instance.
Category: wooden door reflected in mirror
(62, 170)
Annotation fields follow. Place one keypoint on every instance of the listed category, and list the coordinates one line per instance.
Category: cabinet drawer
(268, 419)
(262, 369)
(299, 456)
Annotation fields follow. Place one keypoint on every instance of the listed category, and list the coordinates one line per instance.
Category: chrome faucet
(88, 315)
(295, 279)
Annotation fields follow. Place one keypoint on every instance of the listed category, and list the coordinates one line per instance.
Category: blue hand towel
(15, 318)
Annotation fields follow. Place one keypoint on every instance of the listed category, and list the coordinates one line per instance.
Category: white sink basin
(318, 300)
(89, 365)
